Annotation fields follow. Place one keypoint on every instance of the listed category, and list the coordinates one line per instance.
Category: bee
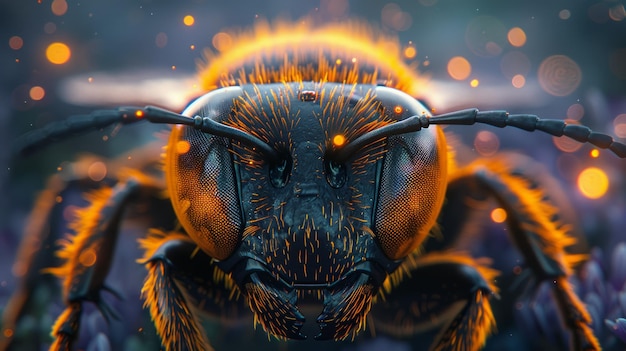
(309, 175)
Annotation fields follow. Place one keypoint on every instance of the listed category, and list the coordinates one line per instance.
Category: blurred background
(557, 59)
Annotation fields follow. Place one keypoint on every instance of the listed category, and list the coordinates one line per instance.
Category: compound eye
(411, 191)
(203, 190)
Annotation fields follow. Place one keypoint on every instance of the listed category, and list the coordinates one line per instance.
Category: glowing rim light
(593, 182)
(352, 40)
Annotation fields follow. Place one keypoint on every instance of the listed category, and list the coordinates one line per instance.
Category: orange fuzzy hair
(350, 53)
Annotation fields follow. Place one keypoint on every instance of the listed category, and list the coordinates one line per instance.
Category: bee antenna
(531, 123)
(99, 119)
(471, 116)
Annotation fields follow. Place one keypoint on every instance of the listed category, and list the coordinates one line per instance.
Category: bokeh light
(619, 125)
(160, 40)
(222, 41)
(559, 75)
(498, 215)
(567, 144)
(474, 83)
(189, 20)
(36, 93)
(410, 52)
(459, 68)
(593, 182)
(97, 171)
(518, 81)
(617, 12)
(16, 42)
(58, 7)
(516, 37)
(575, 112)
(564, 14)
(183, 147)
(58, 53)
(88, 257)
(486, 143)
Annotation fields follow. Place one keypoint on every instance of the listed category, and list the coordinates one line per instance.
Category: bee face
(307, 207)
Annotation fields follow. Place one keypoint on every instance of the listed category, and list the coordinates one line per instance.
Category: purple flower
(618, 328)
(601, 285)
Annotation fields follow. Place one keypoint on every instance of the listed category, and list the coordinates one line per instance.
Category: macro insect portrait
(312, 193)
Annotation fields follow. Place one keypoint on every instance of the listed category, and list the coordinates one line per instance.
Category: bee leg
(447, 289)
(88, 255)
(535, 232)
(181, 282)
(36, 289)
